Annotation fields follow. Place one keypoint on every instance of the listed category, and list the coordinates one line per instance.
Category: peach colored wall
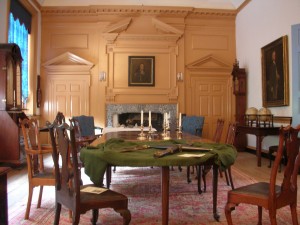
(107, 35)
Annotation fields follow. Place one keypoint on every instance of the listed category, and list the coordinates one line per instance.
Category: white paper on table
(94, 190)
(190, 155)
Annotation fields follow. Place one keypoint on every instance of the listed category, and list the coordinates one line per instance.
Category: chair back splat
(271, 195)
(68, 187)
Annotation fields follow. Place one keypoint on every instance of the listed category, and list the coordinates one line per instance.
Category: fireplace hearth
(134, 119)
(113, 112)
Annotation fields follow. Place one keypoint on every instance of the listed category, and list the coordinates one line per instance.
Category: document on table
(190, 155)
(94, 190)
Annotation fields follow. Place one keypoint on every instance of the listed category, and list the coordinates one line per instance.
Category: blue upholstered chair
(193, 124)
(86, 125)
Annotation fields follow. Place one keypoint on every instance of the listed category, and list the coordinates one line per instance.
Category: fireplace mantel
(112, 109)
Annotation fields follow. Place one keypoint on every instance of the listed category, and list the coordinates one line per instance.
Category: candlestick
(179, 123)
(150, 124)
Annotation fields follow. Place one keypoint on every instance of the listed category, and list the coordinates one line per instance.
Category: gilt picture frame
(275, 73)
(141, 71)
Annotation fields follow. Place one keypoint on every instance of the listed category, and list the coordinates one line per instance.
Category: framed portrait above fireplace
(275, 76)
(141, 71)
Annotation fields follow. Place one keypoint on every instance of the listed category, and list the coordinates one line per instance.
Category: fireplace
(119, 113)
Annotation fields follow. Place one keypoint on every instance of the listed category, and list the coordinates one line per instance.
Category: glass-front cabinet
(11, 148)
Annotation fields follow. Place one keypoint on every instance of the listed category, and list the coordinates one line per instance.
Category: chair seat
(104, 199)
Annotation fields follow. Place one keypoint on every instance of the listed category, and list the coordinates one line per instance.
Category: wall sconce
(102, 76)
(179, 76)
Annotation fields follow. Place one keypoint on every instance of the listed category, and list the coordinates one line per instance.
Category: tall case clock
(11, 148)
(240, 91)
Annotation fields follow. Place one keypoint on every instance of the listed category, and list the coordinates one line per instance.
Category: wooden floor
(246, 162)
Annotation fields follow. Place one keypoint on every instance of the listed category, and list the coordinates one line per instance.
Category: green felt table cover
(96, 159)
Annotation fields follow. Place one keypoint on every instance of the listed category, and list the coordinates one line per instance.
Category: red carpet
(142, 186)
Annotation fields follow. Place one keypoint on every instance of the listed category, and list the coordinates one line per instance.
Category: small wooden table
(3, 195)
(108, 157)
(260, 133)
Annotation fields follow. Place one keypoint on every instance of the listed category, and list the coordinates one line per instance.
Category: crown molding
(135, 11)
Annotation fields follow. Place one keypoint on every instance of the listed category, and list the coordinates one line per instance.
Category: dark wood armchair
(68, 190)
(270, 195)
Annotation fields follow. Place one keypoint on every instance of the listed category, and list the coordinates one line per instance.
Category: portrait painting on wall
(275, 76)
(141, 71)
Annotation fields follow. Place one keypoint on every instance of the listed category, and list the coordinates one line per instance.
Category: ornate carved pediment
(166, 32)
(68, 61)
(112, 32)
(209, 62)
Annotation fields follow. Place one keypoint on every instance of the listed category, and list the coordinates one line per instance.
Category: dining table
(126, 149)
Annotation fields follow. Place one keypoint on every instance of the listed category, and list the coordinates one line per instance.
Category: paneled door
(211, 96)
(69, 95)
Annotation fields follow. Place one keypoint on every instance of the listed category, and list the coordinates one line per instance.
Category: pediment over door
(68, 62)
(210, 63)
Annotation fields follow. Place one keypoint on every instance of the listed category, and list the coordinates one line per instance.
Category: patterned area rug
(142, 186)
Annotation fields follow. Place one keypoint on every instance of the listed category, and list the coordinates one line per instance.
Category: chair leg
(125, 213)
(230, 178)
(76, 218)
(198, 169)
(226, 177)
(270, 158)
(95, 216)
(294, 213)
(228, 209)
(259, 215)
(28, 203)
(205, 170)
(188, 174)
(57, 213)
(40, 197)
(272, 216)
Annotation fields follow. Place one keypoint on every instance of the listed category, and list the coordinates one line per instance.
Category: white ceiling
(212, 4)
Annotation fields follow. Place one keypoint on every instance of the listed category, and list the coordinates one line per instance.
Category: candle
(179, 123)
(150, 119)
(142, 117)
(165, 119)
(14, 95)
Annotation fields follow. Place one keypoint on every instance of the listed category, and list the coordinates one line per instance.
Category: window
(18, 32)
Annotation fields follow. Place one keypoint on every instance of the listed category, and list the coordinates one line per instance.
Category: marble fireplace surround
(115, 109)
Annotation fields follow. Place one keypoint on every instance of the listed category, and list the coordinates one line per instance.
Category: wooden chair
(230, 138)
(37, 175)
(87, 126)
(193, 125)
(60, 118)
(216, 138)
(270, 195)
(283, 121)
(68, 189)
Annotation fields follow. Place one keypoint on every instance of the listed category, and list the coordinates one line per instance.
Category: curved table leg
(165, 176)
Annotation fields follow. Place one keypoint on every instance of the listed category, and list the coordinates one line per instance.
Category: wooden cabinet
(240, 92)
(11, 148)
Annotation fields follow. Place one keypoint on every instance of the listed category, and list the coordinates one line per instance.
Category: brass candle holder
(179, 132)
(141, 136)
(165, 133)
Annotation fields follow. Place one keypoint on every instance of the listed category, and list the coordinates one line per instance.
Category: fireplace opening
(132, 119)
